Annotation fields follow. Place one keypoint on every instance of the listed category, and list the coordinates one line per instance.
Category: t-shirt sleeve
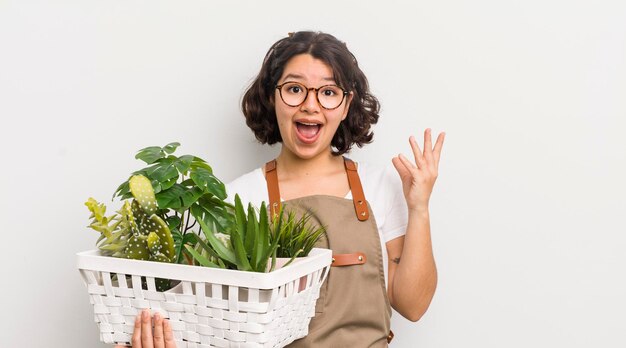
(396, 212)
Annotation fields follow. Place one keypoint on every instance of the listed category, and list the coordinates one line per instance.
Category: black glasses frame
(317, 90)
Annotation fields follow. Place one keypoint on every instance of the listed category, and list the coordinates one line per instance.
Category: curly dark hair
(258, 101)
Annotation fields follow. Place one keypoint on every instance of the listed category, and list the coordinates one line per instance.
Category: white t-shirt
(381, 185)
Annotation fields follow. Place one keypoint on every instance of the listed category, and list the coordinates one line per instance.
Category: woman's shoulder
(250, 187)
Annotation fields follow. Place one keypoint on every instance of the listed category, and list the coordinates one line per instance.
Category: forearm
(415, 277)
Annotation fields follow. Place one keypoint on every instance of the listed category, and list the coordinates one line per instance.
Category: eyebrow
(298, 76)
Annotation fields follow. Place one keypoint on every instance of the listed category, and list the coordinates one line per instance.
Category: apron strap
(358, 197)
(340, 260)
(271, 177)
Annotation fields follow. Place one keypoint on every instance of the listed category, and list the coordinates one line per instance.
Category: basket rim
(316, 260)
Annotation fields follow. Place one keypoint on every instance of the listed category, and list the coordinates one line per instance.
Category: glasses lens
(330, 97)
(293, 93)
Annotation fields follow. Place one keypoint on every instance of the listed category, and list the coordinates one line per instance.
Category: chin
(308, 152)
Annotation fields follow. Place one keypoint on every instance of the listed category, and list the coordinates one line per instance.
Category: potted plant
(174, 218)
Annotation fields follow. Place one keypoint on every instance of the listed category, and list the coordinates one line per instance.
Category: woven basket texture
(207, 307)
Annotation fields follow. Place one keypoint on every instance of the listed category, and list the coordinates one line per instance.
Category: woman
(312, 97)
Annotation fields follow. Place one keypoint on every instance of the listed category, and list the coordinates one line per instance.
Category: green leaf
(171, 147)
(123, 189)
(150, 154)
(177, 236)
(167, 184)
(201, 259)
(200, 163)
(183, 163)
(262, 243)
(191, 196)
(273, 266)
(173, 222)
(180, 240)
(209, 249)
(213, 210)
(240, 217)
(163, 170)
(205, 180)
(223, 252)
(190, 238)
(271, 251)
(252, 230)
(241, 257)
(171, 198)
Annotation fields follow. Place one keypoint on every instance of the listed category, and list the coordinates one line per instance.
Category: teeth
(308, 124)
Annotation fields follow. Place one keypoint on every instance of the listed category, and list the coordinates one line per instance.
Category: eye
(293, 88)
(328, 92)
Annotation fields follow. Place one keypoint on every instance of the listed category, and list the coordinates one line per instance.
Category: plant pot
(209, 307)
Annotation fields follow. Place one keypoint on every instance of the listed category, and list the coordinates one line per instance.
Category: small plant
(295, 236)
(161, 205)
(186, 192)
(253, 242)
(135, 232)
(247, 248)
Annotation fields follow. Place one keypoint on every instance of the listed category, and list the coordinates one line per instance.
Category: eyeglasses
(294, 94)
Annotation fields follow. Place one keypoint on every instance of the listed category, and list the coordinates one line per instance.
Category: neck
(290, 165)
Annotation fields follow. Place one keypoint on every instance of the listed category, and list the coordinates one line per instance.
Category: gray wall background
(527, 215)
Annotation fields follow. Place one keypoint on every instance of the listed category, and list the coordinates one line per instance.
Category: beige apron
(353, 309)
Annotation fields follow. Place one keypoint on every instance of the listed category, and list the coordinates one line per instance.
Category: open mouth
(307, 131)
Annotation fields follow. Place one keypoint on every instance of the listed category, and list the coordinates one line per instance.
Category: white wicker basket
(209, 307)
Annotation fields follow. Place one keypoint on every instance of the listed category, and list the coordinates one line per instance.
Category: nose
(310, 104)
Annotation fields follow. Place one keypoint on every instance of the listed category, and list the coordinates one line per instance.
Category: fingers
(143, 333)
(400, 167)
(158, 331)
(430, 155)
(417, 152)
(136, 340)
(407, 164)
(169, 336)
(428, 145)
(438, 146)
(146, 330)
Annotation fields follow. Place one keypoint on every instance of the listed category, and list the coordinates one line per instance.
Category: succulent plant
(135, 232)
(248, 247)
(295, 235)
(254, 241)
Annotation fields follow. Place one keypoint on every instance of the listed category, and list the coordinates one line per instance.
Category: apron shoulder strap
(271, 177)
(358, 197)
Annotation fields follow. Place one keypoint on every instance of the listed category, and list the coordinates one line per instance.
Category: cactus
(142, 190)
(135, 231)
(144, 208)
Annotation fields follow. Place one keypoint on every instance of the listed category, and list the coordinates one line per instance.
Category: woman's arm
(412, 271)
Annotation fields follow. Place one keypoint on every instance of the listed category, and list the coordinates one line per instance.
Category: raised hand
(419, 178)
(143, 337)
